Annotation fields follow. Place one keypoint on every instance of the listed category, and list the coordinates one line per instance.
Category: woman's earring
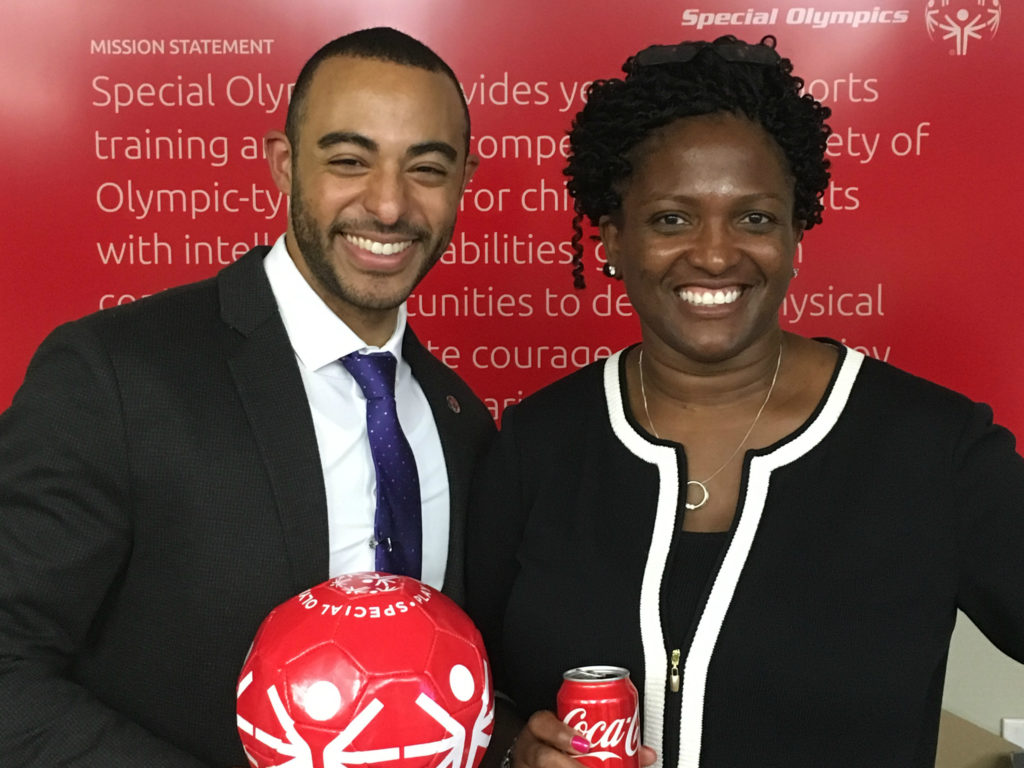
(796, 271)
(610, 270)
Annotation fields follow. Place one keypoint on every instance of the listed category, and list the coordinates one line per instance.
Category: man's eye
(431, 170)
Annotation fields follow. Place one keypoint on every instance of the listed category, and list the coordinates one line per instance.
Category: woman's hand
(547, 742)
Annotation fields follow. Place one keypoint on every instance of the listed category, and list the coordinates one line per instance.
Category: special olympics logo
(366, 584)
(962, 21)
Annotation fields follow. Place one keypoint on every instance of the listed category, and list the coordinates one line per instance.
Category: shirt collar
(318, 336)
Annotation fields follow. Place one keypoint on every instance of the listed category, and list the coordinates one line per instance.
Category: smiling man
(173, 469)
(374, 158)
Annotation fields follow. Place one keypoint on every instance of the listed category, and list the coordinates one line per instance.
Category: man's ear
(278, 150)
(472, 163)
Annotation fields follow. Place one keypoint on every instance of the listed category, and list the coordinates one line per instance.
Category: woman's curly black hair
(726, 75)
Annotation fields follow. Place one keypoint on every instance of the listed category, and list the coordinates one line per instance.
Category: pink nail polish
(580, 744)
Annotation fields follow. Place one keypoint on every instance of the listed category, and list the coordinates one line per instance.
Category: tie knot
(374, 373)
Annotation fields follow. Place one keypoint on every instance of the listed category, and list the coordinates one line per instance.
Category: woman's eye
(758, 218)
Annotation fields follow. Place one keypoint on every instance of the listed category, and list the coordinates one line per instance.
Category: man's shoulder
(175, 324)
(183, 308)
(438, 380)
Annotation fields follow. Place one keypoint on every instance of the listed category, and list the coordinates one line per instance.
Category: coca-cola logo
(608, 739)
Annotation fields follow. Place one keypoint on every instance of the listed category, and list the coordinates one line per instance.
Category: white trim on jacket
(698, 658)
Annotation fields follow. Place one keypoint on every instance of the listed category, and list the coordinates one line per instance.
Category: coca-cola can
(602, 704)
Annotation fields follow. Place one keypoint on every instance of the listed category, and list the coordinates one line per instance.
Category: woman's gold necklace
(702, 484)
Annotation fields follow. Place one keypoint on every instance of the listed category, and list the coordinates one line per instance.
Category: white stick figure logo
(962, 21)
(323, 700)
(367, 583)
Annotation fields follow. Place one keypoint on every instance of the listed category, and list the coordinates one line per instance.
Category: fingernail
(580, 744)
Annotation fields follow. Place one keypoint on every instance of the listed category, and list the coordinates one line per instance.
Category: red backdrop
(133, 163)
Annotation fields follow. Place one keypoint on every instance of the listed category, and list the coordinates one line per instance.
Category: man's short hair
(381, 43)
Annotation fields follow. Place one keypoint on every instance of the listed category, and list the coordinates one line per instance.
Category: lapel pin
(453, 404)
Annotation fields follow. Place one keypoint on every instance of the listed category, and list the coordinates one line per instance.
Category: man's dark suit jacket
(160, 492)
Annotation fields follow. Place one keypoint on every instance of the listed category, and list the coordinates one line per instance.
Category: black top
(826, 628)
(690, 569)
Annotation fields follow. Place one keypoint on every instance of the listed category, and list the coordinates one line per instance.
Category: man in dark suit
(173, 469)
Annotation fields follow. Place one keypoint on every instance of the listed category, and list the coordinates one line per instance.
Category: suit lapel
(459, 452)
(272, 394)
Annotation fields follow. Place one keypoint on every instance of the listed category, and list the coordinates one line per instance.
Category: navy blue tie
(398, 526)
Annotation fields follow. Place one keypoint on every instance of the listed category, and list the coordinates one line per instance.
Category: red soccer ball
(368, 668)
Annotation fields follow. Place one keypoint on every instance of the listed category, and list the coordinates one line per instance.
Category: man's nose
(385, 195)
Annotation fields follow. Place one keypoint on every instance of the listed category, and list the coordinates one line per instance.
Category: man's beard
(315, 247)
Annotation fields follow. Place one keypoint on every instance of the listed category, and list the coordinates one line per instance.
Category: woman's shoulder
(898, 399)
(569, 400)
(885, 381)
(904, 389)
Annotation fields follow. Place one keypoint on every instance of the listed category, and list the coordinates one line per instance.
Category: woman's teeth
(707, 298)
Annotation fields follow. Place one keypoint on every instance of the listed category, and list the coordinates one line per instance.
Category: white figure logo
(323, 700)
(367, 584)
(962, 21)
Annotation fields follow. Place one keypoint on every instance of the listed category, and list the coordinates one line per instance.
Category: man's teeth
(707, 298)
(377, 247)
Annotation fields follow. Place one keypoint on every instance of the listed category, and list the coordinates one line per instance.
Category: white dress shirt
(320, 339)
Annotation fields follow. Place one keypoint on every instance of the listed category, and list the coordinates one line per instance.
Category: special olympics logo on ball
(962, 21)
(367, 583)
(366, 668)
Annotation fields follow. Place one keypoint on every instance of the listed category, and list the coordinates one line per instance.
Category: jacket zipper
(673, 672)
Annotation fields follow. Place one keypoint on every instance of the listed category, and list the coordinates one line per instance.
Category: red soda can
(602, 704)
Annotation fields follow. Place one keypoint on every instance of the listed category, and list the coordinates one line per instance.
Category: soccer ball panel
(366, 668)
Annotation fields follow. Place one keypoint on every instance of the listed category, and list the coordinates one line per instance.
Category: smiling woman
(772, 533)
(717, 190)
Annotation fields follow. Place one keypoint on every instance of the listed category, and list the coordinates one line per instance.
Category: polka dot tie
(398, 528)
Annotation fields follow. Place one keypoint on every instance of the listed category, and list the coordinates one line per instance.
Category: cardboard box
(962, 744)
